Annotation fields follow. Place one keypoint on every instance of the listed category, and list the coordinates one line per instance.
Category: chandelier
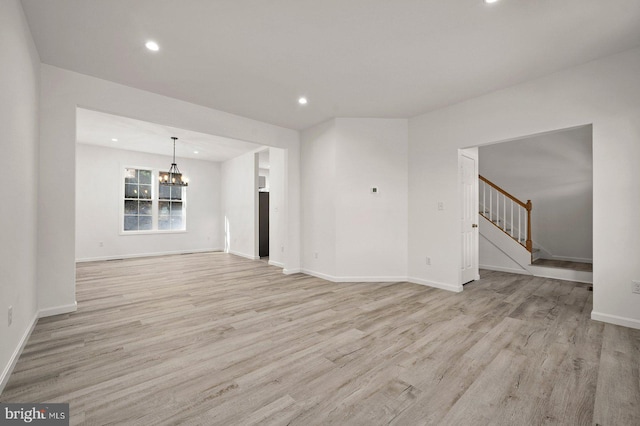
(173, 177)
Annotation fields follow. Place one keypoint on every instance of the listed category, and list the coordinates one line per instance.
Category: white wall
(371, 229)
(61, 92)
(19, 86)
(98, 206)
(318, 170)
(492, 258)
(277, 206)
(267, 181)
(554, 171)
(239, 180)
(357, 235)
(604, 93)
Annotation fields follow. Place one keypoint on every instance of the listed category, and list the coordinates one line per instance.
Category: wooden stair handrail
(503, 192)
(528, 206)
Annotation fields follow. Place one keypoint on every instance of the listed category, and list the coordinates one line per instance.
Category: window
(149, 206)
(170, 208)
(138, 205)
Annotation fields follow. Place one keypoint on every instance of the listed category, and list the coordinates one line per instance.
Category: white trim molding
(8, 369)
(442, 286)
(319, 275)
(274, 263)
(58, 310)
(509, 270)
(133, 256)
(383, 279)
(246, 256)
(365, 279)
(355, 279)
(614, 319)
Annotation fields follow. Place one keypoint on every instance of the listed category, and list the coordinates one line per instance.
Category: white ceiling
(97, 128)
(351, 58)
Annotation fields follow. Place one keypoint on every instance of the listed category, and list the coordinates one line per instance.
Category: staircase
(505, 223)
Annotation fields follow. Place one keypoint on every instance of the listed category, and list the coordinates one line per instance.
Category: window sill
(152, 232)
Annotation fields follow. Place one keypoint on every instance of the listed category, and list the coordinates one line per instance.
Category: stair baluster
(504, 218)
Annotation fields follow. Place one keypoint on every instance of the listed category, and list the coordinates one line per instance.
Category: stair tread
(574, 266)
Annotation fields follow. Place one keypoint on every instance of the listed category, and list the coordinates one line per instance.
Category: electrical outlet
(428, 260)
(315, 255)
(440, 205)
(10, 315)
(100, 244)
(636, 287)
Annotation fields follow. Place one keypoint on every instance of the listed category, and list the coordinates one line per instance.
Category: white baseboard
(614, 319)
(133, 256)
(355, 279)
(8, 369)
(6, 373)
(501, 269)
(319, 275)
(57, 310)
(291, 271)
(246, 256)
(442, 286)
(274, 263)
(368, 279)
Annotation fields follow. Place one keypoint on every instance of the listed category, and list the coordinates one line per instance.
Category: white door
(469, 221)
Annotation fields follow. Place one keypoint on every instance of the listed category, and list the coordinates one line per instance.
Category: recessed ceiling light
(302, 101)
(114, 139)
(195, 152)
(490, 1)
(152, 45)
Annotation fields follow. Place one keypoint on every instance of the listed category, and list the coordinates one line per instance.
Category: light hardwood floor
(216, 339)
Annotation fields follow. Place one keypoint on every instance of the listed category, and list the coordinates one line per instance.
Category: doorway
(271, 205)
(555, 171)
(263, 224)
(264, 167)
